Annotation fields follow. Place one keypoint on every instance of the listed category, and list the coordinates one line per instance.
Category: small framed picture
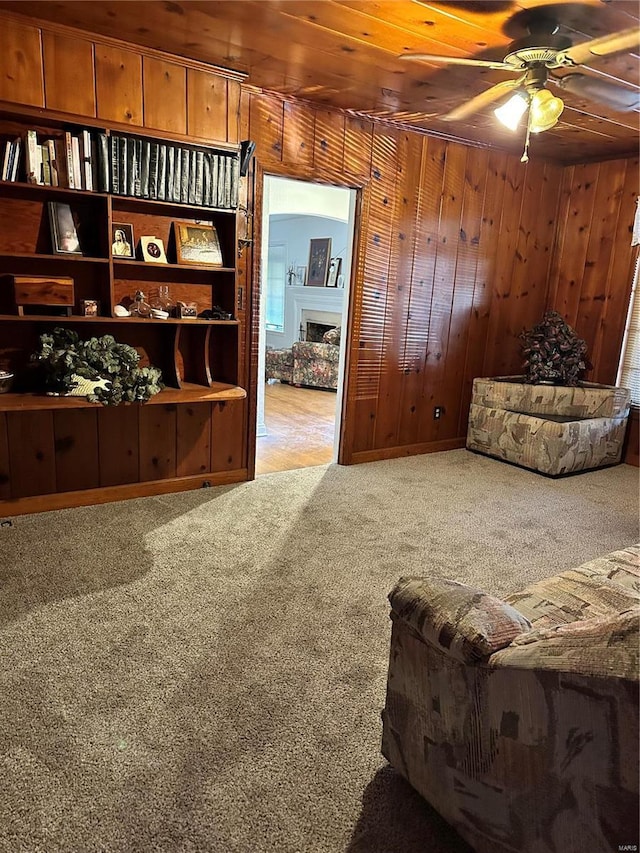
(122, 241)
(64, 236)
(89, 307)
(197, 244)
(301, 276)
(319, 255)
(334, 272)
(153, 250)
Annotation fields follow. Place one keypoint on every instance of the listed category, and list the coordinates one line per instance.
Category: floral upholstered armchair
(307, 362)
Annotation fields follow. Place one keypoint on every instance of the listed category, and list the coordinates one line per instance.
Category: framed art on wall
(319, 255)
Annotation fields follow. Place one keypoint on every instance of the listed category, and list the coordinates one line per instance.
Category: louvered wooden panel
(393, 375)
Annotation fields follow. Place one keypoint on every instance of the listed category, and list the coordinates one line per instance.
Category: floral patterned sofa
(518, 719)
(306, 362)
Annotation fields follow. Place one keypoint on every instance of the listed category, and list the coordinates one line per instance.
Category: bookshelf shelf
(62, 258)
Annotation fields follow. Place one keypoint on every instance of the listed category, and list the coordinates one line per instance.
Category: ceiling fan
(533, 58)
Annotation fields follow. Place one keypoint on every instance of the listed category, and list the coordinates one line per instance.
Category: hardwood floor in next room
(300, 424)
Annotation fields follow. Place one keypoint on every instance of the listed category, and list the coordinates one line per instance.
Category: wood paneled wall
(454, 257)
(592, 268)
(459, 248)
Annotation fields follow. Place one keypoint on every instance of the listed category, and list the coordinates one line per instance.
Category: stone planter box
(552, 429)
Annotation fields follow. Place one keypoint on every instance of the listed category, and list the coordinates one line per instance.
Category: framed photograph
(64, 236)
(319, 256)
(197, 244)
(301, 275)
(89, 307)
(153, 250)
(122, 241)
(334, 271)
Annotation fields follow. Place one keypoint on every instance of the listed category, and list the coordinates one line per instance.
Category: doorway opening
(306, 260)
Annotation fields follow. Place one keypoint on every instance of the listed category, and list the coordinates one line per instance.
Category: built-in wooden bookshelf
(199, 358)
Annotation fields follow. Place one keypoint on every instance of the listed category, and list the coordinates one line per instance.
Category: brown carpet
(205, 671)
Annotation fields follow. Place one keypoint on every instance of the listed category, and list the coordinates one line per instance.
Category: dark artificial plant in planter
(67, 361)
(554, 354)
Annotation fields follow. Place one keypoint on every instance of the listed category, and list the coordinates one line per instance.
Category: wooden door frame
(315, 176)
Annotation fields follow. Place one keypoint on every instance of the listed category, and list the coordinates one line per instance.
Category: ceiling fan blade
(482, 100)
(624, 40)
(617, 97)
(457, 60)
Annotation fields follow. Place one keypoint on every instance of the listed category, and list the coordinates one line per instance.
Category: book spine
(235, 181)
(32, 157)
(177, 174)
(184, 181)
(153, 170)
(227, 181)
(198, 197)
(123, 159)
(132, 167)
(206, 178)
(46, 167)
(68, 153)
(170, 176)
(115, 164)
(193, 175)
(104, 169)
(215, 179)
(76, 161)
(162, 172)
(87, 160)
(5, 162)
(16, 162)
(145, 162)
(61, 161)
(53, 162)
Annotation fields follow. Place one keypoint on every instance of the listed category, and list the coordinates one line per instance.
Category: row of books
(146, 169)
(10, 160)
(64, 161)
(125, 165)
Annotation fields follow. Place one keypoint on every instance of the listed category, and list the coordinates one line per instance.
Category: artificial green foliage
(553, 352)
(62, 355)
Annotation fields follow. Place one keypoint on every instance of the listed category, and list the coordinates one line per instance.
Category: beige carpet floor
(205, 671)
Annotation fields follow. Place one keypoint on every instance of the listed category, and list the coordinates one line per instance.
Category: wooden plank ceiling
(345, 54)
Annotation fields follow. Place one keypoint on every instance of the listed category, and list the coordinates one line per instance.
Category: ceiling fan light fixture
(546, 109)
(510, 113)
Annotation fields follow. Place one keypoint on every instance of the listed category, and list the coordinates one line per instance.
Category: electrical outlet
(438, 412)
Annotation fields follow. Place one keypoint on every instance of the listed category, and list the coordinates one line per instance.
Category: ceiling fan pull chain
(525, 153)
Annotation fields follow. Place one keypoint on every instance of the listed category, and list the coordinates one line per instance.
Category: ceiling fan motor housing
(537, 49)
